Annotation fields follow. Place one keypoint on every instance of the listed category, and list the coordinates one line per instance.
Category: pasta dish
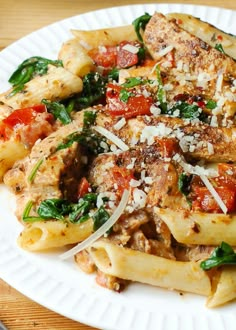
(123, 150)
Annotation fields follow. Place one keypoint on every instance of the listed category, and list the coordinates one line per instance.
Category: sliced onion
(112, 137)
(214, 193)
(101, 231)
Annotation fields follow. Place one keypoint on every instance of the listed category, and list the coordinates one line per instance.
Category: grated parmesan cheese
(121, 123)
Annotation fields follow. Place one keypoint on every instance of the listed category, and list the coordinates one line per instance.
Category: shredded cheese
(101, 231)
(131, 48)
(112, 137)
(165, 51)
(214, 193)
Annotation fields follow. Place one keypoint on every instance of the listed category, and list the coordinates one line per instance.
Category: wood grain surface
(18, 18)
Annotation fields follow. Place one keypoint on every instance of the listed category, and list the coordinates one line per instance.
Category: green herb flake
(34, 170)
(132, 82)
(222, 255)
(211, 104)
(125, 95)
(219, 47)
(26, 217)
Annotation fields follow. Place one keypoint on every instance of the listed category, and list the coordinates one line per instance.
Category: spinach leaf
(28, 69)
(222, 255)
(100, 217)
(94, 89)
(113, 75)
(54, 209)
(125, 95)
(58, 110)
(93, 142)
(184, 181)
(186, 111)
(89, 119)
(140, 24)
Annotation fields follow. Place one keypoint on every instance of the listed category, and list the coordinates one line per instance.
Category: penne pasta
(75, 58)
(109, 36)
(198, 227)
(224, 287)
(43, 235)
(10, 152)
(57, 84)
(205, 32)
(145, 268)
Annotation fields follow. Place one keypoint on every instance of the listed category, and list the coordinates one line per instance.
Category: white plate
(59, 285)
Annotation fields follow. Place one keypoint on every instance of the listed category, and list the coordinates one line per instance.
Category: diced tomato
(126, 58)
(83, 187)
(227, 175)
(122, 177)
(23, 116)
(137, 104)
(110, 57)
(204, 201)
(168, 147)
(105, 56)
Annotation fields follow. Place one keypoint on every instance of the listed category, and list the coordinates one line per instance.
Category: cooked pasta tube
(58, 83)
(10, 151)
(199, 227)
(42, 235)
(102, 37)
(75, 58)
(225, 288)
(145, 268)
(205, 31)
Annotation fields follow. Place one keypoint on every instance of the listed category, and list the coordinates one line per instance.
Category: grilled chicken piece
(197, 140)
(194, 63)
(142, 170)
(161, 33)
(47, 172)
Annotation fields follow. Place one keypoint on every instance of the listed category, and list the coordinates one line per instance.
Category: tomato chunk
(119, 56)
(122, 177)
(204, 201)
(126, 58)
(23, 116)
(137, 104)
(105, 56)
(83, 187)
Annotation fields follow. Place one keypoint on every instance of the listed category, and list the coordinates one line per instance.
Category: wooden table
(19, 18)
